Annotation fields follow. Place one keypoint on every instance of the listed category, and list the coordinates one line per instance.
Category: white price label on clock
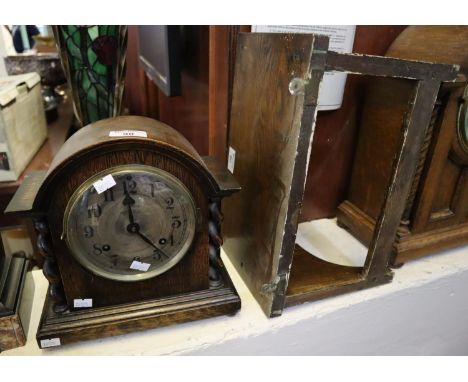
(128, 133)
(104, 184)
(139, 266)
(231, 159)
(83, 303)
(50, 342)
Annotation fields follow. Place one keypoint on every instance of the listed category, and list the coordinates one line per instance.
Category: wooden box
(276, 86)
(23, 126)
(435, 216)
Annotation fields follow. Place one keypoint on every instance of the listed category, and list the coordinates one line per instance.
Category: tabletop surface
(250, 325)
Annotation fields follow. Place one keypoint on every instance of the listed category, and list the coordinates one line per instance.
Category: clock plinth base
(93, 323)
(407, 247)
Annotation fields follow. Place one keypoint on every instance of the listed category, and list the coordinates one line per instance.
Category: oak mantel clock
(128, 219)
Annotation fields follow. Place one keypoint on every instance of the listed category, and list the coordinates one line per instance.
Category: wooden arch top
(98, 134)
(95, 137)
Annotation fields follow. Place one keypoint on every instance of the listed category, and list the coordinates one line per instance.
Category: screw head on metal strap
(297, 86)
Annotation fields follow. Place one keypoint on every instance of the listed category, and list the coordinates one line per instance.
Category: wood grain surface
(267, 128)
(94, 323)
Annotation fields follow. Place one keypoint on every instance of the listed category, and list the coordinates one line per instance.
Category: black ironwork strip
(389, 67)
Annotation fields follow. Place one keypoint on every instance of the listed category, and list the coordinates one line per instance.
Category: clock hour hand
(135, 227)
(128, 201)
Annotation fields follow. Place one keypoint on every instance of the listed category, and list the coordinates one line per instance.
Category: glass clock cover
(137, 229)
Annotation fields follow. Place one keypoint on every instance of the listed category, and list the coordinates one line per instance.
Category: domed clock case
(128, 219)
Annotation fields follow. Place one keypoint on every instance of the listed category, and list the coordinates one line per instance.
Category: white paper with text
(341, 40)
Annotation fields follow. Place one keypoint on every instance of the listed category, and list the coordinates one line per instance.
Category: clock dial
(137, 229)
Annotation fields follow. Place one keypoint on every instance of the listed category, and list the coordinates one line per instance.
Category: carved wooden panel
(443, 195)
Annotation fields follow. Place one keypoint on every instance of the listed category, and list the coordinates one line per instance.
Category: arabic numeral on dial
(94, 210)
(98, 250)
(109, 195)
(158, 255)
(114, 260)
(170, 203)
(156, 188)
(131, 184)
(163, 240)
(176, 223)
(88, 231)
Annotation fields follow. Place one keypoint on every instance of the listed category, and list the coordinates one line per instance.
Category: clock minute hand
(135, 227)
(152, 244)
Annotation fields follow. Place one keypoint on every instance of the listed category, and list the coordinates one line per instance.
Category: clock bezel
(192, 219)
(462, 122)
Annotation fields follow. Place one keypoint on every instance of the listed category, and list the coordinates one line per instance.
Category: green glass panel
(100, 69)
(93, 32)
(94, 65)
(72, 44)
(71, 28)
(75, 37)
(85, 83)
(93, 112)
(92, 94)
(104, 29)
(92, 58)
